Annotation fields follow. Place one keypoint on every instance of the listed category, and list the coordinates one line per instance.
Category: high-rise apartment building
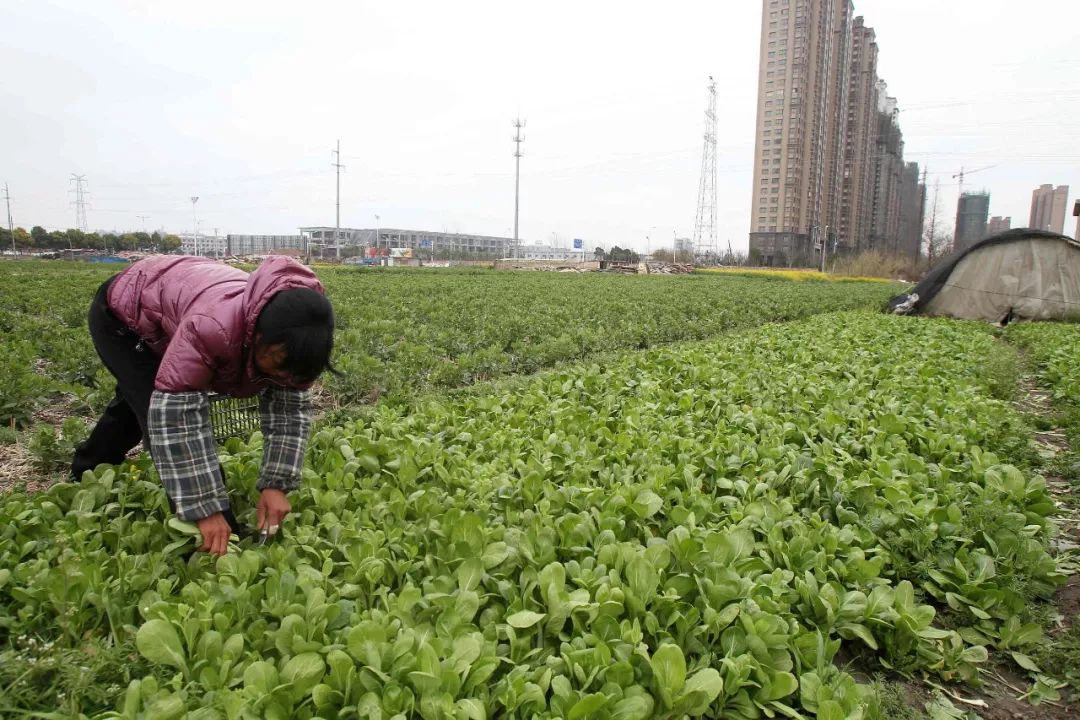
(888, 171)
(998, 224)
(827, 167)
(836, 90)
(1048, 208)
(971, 213)
(912, 210)
(853, 224)
(802, 95)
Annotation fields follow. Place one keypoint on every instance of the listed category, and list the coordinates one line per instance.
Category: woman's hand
(272, 508)
(215, 532)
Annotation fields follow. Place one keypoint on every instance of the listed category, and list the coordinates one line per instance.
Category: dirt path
(1004, 684)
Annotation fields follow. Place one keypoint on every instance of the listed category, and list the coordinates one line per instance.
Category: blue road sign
(579, 243)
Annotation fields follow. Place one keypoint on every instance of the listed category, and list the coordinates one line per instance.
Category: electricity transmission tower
(518, 139)
(80, 201)
(705, 223)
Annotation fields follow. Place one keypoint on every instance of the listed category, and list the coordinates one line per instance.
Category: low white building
(209, 245)
(544, 252)
(420, 240)
(261, 244)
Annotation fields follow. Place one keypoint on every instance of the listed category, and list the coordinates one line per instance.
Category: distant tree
(618, 254)
(39, 236)
(58, 240)
(170, 243)
(599, 254)
(937, 247)
(936, 242)
(664, 255)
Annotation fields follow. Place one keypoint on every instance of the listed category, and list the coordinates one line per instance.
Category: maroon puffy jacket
(199, 315)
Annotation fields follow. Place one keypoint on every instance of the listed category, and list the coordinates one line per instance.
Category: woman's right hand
(215, 533)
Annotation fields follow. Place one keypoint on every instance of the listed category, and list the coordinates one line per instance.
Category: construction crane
(964, 172)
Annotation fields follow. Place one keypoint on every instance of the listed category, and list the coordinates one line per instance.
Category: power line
(518, 139)
(705, 222)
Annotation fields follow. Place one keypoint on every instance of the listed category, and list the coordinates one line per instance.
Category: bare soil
(17, 467)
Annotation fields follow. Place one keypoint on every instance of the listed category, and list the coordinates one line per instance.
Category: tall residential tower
(802, 95)
(1048, 208)
(827, 166)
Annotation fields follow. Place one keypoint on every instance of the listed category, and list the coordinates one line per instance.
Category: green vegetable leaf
(158, 642)
(524, 619)
(669, 672)
(1025, 662)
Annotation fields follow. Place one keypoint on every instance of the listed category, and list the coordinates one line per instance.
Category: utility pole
(11, 230)
(705, 223)
(143, 218)
(195, 224)
(824, 247)
(80, 201)
(337, 215)
(518, 139)
(378, 232)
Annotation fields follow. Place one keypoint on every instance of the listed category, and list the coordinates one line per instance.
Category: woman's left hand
(272, 508)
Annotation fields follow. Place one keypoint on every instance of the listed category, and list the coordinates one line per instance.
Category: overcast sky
(240, 103)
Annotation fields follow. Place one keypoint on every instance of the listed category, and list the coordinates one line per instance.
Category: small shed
(1021, 274)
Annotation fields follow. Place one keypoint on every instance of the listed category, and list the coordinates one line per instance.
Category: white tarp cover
(1034, 278)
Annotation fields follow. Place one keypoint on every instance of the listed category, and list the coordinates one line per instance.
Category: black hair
(302, 320)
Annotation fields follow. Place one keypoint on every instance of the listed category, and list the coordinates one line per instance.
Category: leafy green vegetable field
(406, 331)
(1055, 348)
(696, 530)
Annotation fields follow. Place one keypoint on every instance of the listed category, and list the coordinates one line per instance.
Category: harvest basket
(233, 417)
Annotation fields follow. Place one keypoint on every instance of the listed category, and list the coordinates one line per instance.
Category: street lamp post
(377, 232)
(195, 223)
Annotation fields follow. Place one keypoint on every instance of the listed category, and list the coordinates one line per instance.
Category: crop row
(402, 332)
(1055, 348)
(694, 530)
